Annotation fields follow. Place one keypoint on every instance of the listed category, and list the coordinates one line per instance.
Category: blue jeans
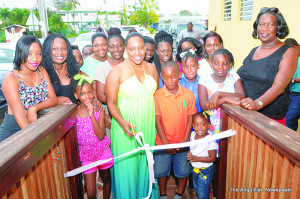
(202, 181)
(293, 113)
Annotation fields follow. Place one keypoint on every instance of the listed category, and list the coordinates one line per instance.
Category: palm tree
(73, 4)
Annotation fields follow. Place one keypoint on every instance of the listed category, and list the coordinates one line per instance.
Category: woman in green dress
(129, 92)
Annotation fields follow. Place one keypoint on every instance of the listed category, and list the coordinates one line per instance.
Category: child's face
(171, 76)
(221, 65)
(78, 57)
(200, 126)
(149, 51)
(189, 68)
(86, 95)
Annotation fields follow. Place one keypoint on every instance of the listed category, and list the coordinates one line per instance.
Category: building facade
(234, 20)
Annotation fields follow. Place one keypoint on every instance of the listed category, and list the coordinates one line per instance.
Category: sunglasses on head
(273, 9)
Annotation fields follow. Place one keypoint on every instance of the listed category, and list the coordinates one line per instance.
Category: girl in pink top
(92, 142)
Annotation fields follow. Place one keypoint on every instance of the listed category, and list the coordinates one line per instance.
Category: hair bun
(114, 31)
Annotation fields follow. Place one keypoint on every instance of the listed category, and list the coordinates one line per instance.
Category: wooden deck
(261, 161)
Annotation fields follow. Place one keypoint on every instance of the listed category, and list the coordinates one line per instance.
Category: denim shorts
(163, 163)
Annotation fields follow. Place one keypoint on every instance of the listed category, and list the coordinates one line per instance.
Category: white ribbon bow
(190, 50)
(139, 137)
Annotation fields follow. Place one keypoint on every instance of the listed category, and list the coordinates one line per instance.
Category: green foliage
(124, 17)
(56, 24)
(16, 16)
(5, 15)
(2, 37)
(71, 34)
(20, 16)
(151, 30)
(185, 13)
(110, 13)
(143, 13)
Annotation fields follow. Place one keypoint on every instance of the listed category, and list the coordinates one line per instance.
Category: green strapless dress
(130, 178)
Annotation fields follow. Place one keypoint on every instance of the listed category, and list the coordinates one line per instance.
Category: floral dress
(212, 87)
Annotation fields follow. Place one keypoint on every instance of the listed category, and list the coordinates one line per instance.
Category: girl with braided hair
(163, 51)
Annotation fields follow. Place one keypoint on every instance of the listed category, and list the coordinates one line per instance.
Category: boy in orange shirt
(174, 108)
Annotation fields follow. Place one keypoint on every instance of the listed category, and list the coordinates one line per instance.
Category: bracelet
(259, 103)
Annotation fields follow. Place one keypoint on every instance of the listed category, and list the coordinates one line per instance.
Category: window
(63, 14)
(85, 14)
(227, 10)
(246, 10)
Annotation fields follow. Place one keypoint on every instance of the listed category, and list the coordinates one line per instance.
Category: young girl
(188, 43)
(202, 156)
(92, 141)
(27, 89)
(220, 87)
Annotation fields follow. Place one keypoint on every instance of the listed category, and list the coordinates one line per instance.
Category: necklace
(31, 84)
(134, 72)
(110, 59)
(57, 71)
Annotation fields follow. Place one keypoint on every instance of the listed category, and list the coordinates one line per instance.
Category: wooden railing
(34, 160)
(261, 161)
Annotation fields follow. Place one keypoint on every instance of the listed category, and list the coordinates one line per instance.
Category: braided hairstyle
(203, 115)
(47, 61)
(161, 36)
(192, 40)
(226, 53)
(74, 84)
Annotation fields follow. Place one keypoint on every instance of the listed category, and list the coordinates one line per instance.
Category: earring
(256, 36)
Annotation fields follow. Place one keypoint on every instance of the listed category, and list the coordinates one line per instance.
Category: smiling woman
(99, 43)
(269, 68)
(129, 92)
(61, 65)
(27, 89)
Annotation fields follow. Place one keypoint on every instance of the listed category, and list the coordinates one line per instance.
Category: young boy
(174, 108)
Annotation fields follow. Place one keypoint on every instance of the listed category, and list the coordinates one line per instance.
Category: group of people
(169, 98)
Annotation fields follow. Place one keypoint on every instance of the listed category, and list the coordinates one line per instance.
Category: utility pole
(106, 14)
(33, 22)
(43, 18)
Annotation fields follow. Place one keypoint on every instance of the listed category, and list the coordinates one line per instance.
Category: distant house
(87, 19)
(14, 32)
(234, 21)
